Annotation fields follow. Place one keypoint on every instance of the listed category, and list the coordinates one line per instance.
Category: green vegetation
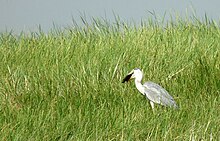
(66, 85)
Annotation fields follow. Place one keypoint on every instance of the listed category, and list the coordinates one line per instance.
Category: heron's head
(135, 73)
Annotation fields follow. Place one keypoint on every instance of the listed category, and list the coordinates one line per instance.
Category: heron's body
(153, 92)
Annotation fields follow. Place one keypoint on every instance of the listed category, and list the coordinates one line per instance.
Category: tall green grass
(66, 85)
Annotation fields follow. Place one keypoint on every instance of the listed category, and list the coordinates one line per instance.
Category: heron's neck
(139, 86)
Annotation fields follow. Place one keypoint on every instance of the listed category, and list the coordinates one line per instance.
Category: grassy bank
(66, 85)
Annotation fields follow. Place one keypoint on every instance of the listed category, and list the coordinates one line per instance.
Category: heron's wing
(157, 94)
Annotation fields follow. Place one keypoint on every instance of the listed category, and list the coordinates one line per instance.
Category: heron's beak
(128, 77)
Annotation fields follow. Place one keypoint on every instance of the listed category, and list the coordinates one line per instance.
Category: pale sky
(26, 15)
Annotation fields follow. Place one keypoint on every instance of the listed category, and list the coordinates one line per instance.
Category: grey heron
(153, 92)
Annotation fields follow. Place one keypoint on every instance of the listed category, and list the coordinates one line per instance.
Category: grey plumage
(159, 95)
